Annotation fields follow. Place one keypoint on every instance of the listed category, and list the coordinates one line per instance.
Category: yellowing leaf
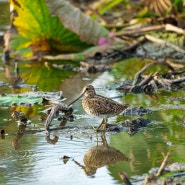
(45, 25)
(40, 31)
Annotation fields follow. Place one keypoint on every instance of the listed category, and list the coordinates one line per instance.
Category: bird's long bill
(76, 99)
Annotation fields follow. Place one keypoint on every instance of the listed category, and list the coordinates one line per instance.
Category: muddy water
(33, 159)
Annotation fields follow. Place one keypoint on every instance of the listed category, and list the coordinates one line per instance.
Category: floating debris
(65, 159)
(136, 111)
(2, 134)
(19, 116)
(149, 84)
(135, 125)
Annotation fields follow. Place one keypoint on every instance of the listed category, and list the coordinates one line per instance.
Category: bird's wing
(105, 106)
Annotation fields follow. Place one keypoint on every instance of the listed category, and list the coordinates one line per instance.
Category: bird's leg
(103, 125)
(104, 140)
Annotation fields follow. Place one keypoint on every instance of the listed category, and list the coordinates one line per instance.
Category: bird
(99, 106)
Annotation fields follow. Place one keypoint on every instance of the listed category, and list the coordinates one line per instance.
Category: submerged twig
(54, 111)
(49, 119)
(35, 131)
(153, 178)
(125, 178)
(163, 165)
(52, 141)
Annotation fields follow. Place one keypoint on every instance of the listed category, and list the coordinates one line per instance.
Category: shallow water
(4, 20)
(29, 158)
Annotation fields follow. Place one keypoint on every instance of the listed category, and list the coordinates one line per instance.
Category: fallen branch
(71, 57)
(144, 86)
(170, 27)
(138, 74)
(141, 31)
(84, 55)
(51, 116)
(165, 43)
(53, 112)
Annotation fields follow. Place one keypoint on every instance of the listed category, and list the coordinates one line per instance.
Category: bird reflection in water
(99, 156)
(23, 122)
(20, 133)
(52, 141)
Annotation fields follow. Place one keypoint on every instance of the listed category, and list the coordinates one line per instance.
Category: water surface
(30, 159)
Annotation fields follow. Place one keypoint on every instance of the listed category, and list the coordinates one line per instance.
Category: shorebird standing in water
(99, 106)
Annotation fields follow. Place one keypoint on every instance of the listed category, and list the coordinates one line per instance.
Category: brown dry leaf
(72, 18)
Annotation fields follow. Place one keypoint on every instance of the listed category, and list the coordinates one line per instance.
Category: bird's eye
(87, 89)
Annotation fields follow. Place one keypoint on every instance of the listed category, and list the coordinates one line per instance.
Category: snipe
(99, 106)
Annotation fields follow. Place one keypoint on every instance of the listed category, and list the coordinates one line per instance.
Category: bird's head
(88, 91)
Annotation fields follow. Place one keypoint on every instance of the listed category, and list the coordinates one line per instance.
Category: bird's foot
(93, 128)
(101, 128)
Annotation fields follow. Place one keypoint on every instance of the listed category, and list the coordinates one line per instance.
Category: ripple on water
(6, 153)
(37, 160)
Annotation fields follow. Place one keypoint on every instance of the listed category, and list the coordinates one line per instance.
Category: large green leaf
(28, 98)
(19, 99)
(41, 32)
